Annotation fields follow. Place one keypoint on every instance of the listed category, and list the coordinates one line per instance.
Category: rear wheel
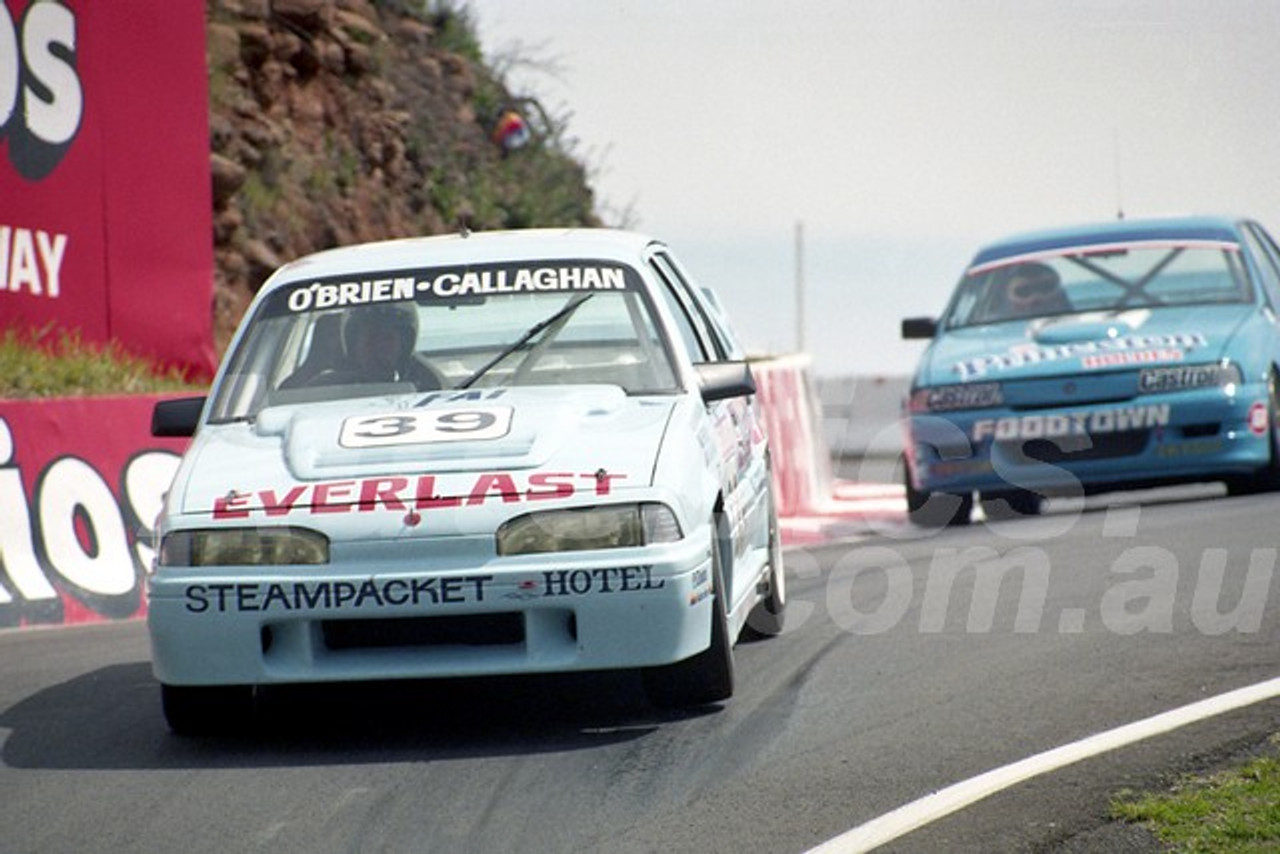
(708, 676)
(207, 709)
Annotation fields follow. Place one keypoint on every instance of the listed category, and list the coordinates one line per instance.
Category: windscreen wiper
(560, 317)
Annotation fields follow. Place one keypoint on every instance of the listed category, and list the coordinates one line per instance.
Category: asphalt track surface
(889, 685)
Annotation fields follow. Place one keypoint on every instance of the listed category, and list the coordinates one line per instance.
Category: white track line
(917, 814)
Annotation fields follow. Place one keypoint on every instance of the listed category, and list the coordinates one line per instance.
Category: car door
(736, 423)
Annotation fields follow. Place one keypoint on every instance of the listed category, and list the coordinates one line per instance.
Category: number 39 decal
(474, 424)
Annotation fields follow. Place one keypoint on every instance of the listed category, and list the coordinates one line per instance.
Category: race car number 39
(479, 423)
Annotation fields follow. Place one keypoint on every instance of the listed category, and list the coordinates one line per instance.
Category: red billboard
(105, 197)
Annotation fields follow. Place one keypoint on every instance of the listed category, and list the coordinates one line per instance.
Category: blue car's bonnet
(1077, 343)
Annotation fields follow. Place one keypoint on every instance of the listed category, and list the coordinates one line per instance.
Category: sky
(829, 167)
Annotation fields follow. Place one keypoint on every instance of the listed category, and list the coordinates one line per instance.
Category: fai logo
(41, 99)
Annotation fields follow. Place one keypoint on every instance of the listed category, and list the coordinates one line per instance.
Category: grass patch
(1237, 810)
(61, 364)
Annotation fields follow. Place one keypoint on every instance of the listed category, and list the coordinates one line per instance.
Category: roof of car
(471, 248)
(1207, 228)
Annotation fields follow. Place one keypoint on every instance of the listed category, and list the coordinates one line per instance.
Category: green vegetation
(66, 366)
(1233, 811)
(455, 31)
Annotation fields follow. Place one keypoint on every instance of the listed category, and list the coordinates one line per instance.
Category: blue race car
(1103, 357)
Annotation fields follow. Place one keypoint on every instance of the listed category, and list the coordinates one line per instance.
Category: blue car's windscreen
(1099, 279)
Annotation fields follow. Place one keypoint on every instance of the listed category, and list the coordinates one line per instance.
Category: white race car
(489, 453)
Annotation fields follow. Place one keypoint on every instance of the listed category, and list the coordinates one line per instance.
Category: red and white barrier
(801, 460)
(812, 502)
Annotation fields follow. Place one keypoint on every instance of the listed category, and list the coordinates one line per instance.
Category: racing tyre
(708, 676)
(207, 709)
(936, 509)
(1267, 478)
(768, 616)
(1010, 504)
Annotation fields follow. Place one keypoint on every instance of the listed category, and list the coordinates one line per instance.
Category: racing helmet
(1034, 285)
(399, 319)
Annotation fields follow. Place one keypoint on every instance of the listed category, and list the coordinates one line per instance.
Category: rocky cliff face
(338, 121)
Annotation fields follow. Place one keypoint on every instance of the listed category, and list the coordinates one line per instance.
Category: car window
(1268, 256)
(1111, 278)
(546, 323)
(718, 319)
(680, 311)
(717, 340)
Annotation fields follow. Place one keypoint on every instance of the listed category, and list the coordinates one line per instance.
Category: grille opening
(500, 629)
(1196, 431)
(1105, 446)
(1057, 402)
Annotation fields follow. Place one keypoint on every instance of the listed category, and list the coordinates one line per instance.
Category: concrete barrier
(860, 415)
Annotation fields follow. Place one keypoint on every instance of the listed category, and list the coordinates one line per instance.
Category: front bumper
(1194, 435)
(380, 615)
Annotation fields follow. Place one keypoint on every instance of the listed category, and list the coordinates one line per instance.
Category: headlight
(244, 547)
(943, 398)
(613, 526)
(1184, 377)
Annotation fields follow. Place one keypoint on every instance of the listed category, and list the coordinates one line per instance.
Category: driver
(380, 340)
(1032, 289)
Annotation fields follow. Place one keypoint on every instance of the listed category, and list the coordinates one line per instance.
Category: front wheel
(936, 509)
(708, 676)
(1267, 478)
(207, 709)
(767, 618)
(1010, 504)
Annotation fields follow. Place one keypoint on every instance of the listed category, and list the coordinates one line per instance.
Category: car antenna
(1115, 156)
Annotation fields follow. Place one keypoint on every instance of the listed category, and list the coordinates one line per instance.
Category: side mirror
(177, 417)
(919, 327)
(723, 380)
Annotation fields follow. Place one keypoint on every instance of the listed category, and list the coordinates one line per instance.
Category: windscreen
(572, 322)
(1100, 279)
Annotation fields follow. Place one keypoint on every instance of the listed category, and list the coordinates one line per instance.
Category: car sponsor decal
(473, 424)
(246, 597)
(1135, 357)
(471, 395)
(455, 283)
(554, 583)
(402, 493)
(1258, 418)
(702, 588)
(614, 579)
(1021, 355)
(1152, 380)
(1191, 448)
(1085, 423)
